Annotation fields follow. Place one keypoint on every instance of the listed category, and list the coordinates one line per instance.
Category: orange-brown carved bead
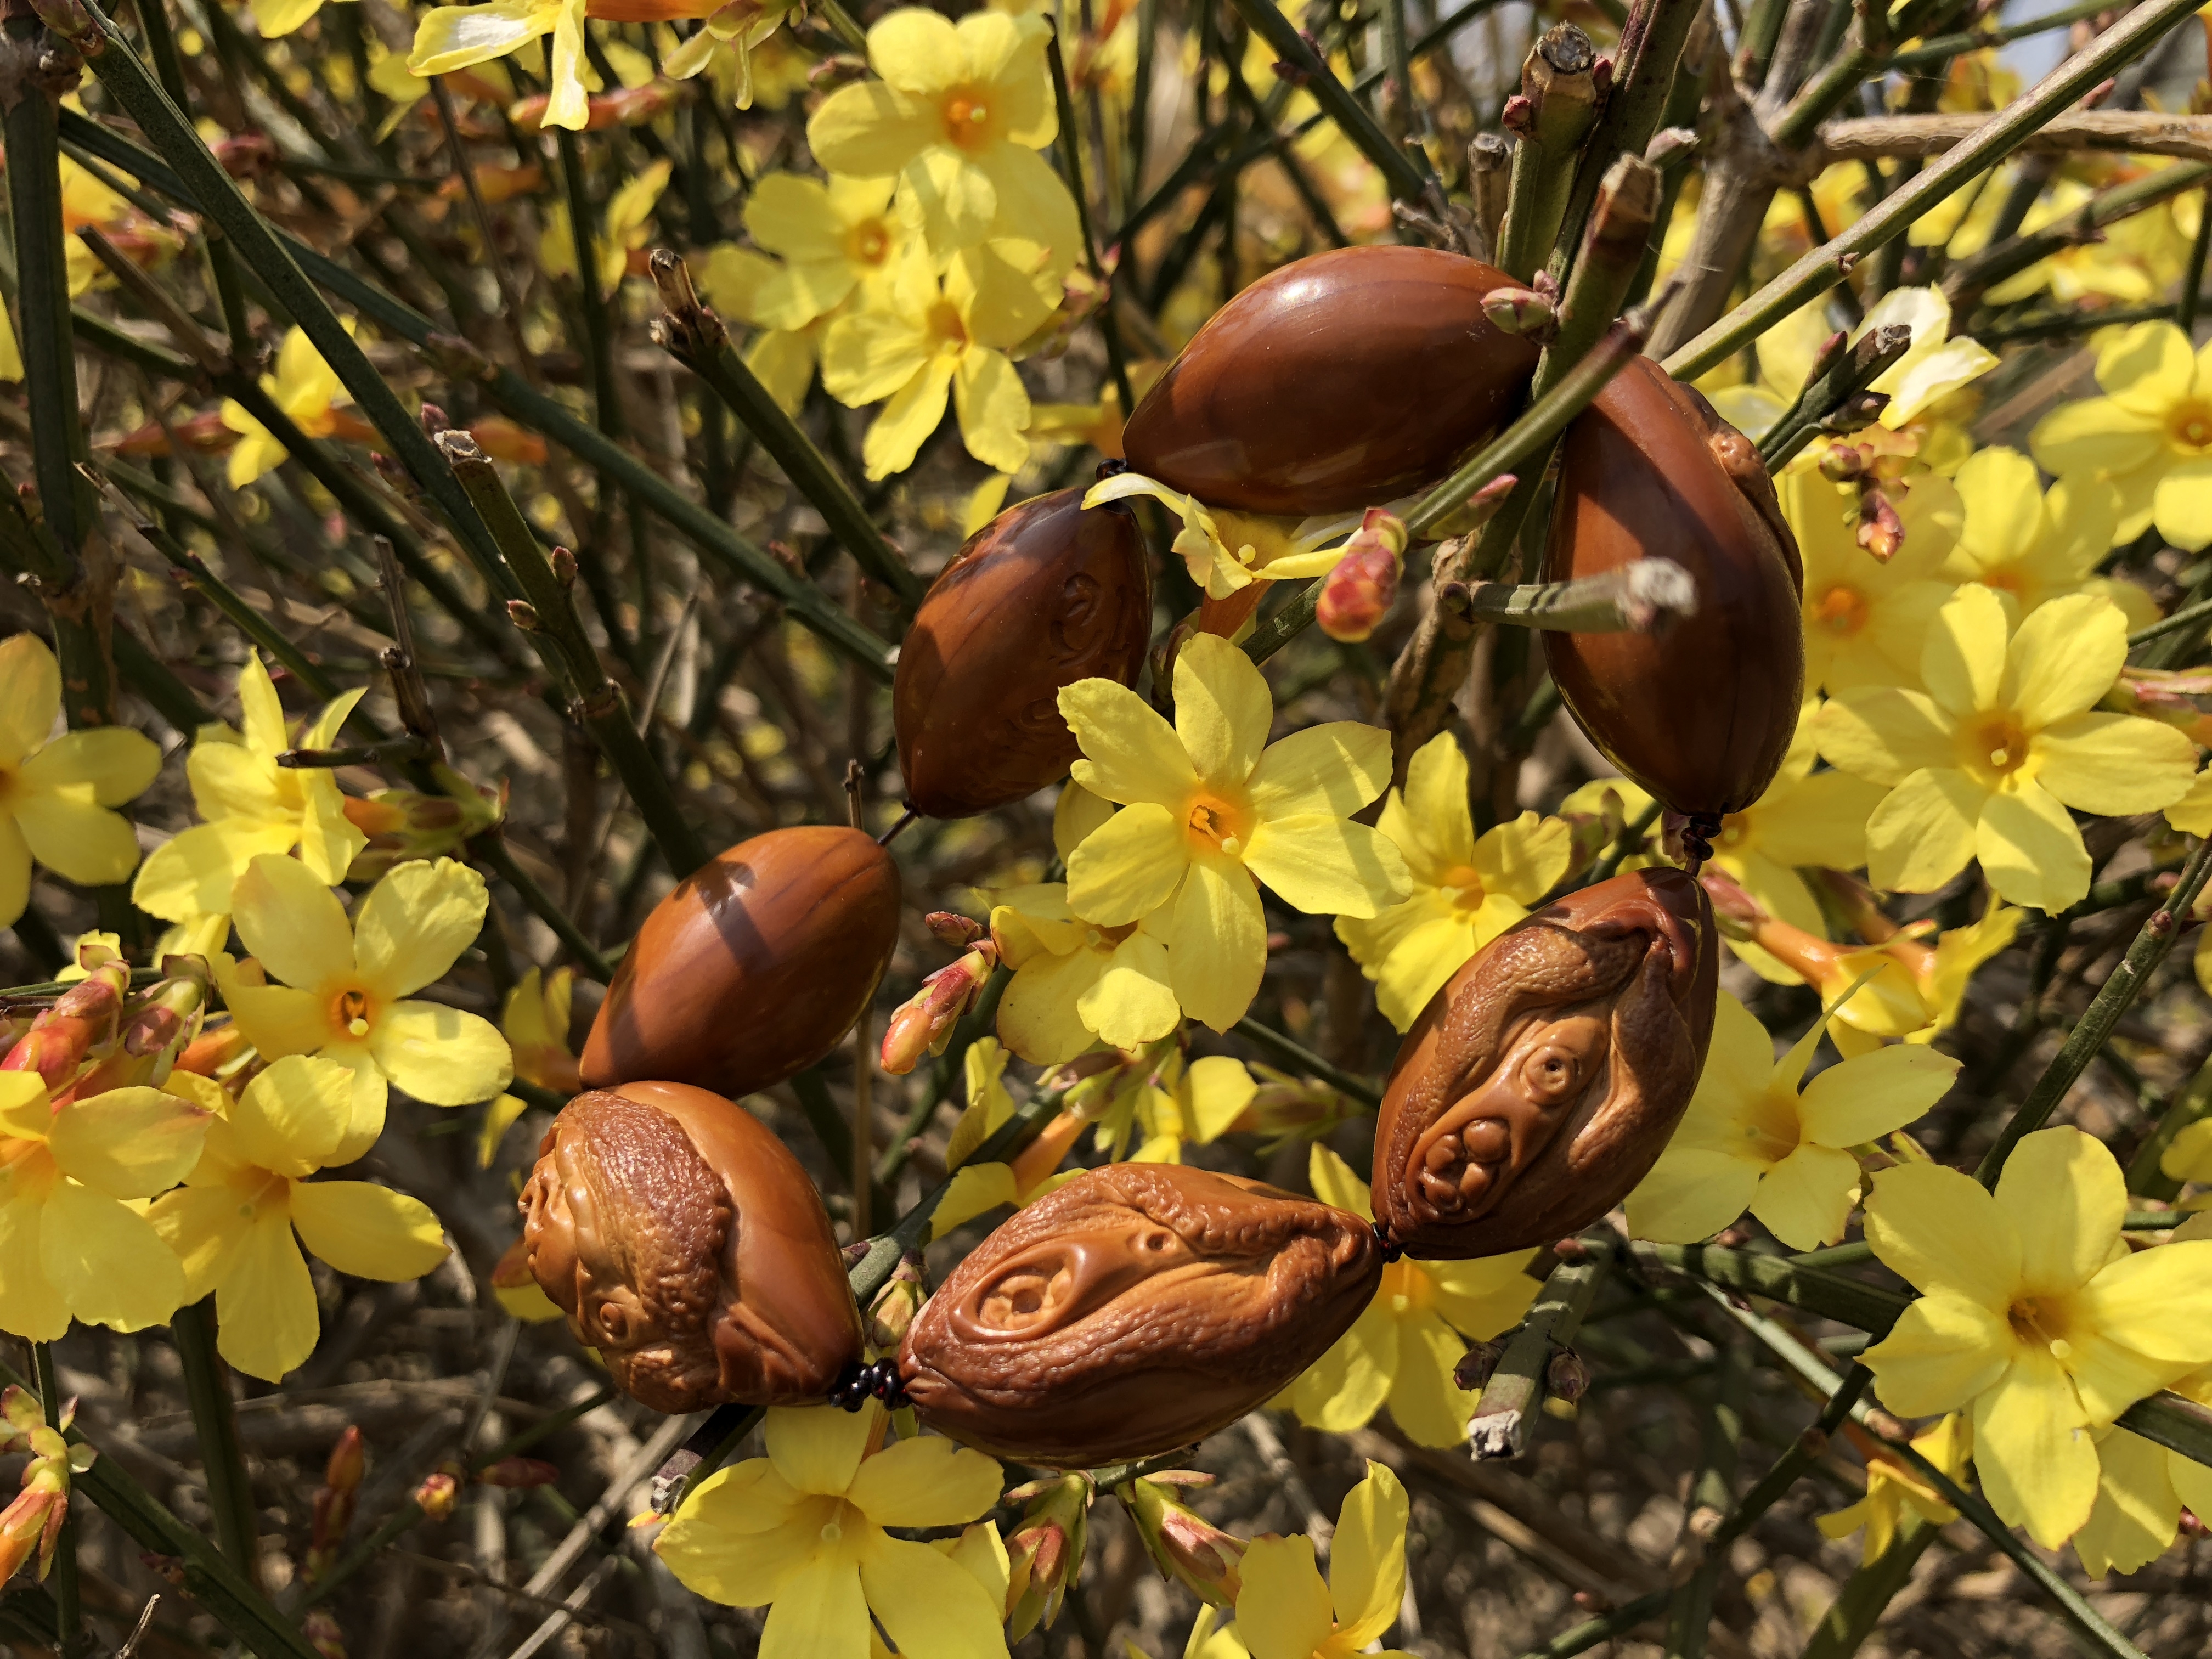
(1044, 595)
(1543, 1080)
(1701, 714)
(753, 967)
(1337, 382)
(687, 1245)
(1135, 1309)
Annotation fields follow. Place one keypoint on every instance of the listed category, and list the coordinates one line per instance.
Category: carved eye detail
(1026, 1295)
(614, 1320)
(1552, 1074)
(1159, 1241)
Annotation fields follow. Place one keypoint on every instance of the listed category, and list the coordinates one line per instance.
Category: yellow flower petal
(2066, 1197)
(106, 1261)
(1347, 1385)
(30, 696)
(1223, 710)
(1334, 1182)
(368, 1231)
(2137, 1511)
(2114, 764)
(1130, 754)
(1937, 1227)
(1367, 1558)
(1941, 1354)
(2065, 657)
(267, 1322)
(818, 1449)
(204, 1228)
(1423, 1402)
(2032, 1445)
(1133, 1001)
(1325, 864)
(1335, 768)
(928, 1482)
(293, 923)
(1864, 1099)
(2030, 850)
(442, 1056)
(1128, 866)
(128, 1143)
(1963, 662)
(1884, 734)
(820, 1612)
(1806, 1200)
(291, 1117)
(115, 762)
(191, 875)
(30, 1307)
(14, 871)
(1283, 1609)
(1484, 1297)
(930, 1606)
(415, 924)
(749, 1502)
(1926, 831)
(897, 435)
(1218, 945)
(75, 839)
(1691, 1194)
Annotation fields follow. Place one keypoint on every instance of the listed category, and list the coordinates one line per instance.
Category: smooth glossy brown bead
(753, 967)
(1044, 595)
(1542, 1081)
(686, 1244)
(1135, 1309)
(1338, 382)
(1701, 714)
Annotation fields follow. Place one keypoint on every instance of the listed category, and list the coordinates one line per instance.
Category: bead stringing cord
(1698, 833)
(1392, 1249)
(879, 1379)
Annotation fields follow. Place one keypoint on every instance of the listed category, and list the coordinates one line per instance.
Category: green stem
(696, 338)
(1827, 265)
(1406, 181)
(1071, 156)
(2113, 999)
(222, 1458)
(1515, 1389)
(2189, 1105)
(1560, 86)
(1942, 47)
(594, 700)
(1867, 1594)
(1300, 1058)
(1966, 281)
(1712, 1494)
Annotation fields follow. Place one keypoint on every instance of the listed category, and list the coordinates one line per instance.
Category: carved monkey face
(1137, 1308)
(1546, 1076)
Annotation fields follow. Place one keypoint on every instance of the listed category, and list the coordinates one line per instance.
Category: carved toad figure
(1543, 1080)
(1137, 1308)
(687, 1245)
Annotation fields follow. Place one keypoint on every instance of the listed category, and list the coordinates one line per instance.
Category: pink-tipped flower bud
(923, 1024)
(1881, 532)
(1476, 1365)
(324, 1634)
(1845, 464)
(1186, 1547)
(897, 1303)
(1044, 1551)
(1522, 311)
(1360, 592)
(1566, 1377)
(437, 1495)
(950, 927)
(409, 824)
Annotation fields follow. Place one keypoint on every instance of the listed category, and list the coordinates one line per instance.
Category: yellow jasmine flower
(252, 806)
(1400, 1352)
(1210, 810)
(57, 794)
(727, 38)
(305, 388)
(1467, 889)
(978, 1186)
(1865, 619)
(346, 990)
(1934, 366)
(1984, 762)
(629, 226)
(535, 1023)
(2150, 434)
(803, 1532)
(957, 117)
(1752, 1139)
(2033, 1316)
(2034, 547)
(832, 238)
(2188, 1156)
(1173, 1102)
(451, 38)
(73, 1180)
(2141, 1489)
(1076, 982)
(1804, 820)
(1265, 549)
(233, 1221)
(933, 336)
(1894, 1486)
(1284, 1610)
(272, 18)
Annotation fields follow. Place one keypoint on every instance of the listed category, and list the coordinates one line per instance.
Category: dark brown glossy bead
(1135, 1309)
(1542, 1081)
(1702, 714)
(1044, 595)
(1338, 382)
(686, 1244)
(753, 967)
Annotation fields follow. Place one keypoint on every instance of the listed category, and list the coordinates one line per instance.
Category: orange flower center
(2189, 426)
(967, 120)
(1842, 611)
(1467, 881)
(1773, 1130)
(868, 242)
(349, 1013)
(1215, 825)
(945, 324)
(1992, 747)
(2041, 1321)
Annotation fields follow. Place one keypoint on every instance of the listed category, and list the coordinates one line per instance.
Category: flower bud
(437, 1495)
(923, 1024)
(215, 1048)
(1047, 594)
(1476, 1365)
(1528, 1121)
(1137, 1308)
(523, 614)
(1359, 593)
(950, 927)
(1340, 380)
(897, 1303)
(83, 1019)
(753, 968)
(1566, 1377)
(1845, 464)
(564, 566)
(1187, 1548)
(324, 1634)
(334, 1504)
(686, 1244)
(1881, 532)
(406, 824)
(1044, 1552)
(1524, 311)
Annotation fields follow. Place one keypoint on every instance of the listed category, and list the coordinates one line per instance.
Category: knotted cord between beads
(1392, 1249)
(1699, 829)
(857, 1384)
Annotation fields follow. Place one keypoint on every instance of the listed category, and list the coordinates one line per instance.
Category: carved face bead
(1543, 1080)
(1044, 595)
(1335, 383)
(687, 1245)
(1702, 714)
(1135, 1309)
(753, 967)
